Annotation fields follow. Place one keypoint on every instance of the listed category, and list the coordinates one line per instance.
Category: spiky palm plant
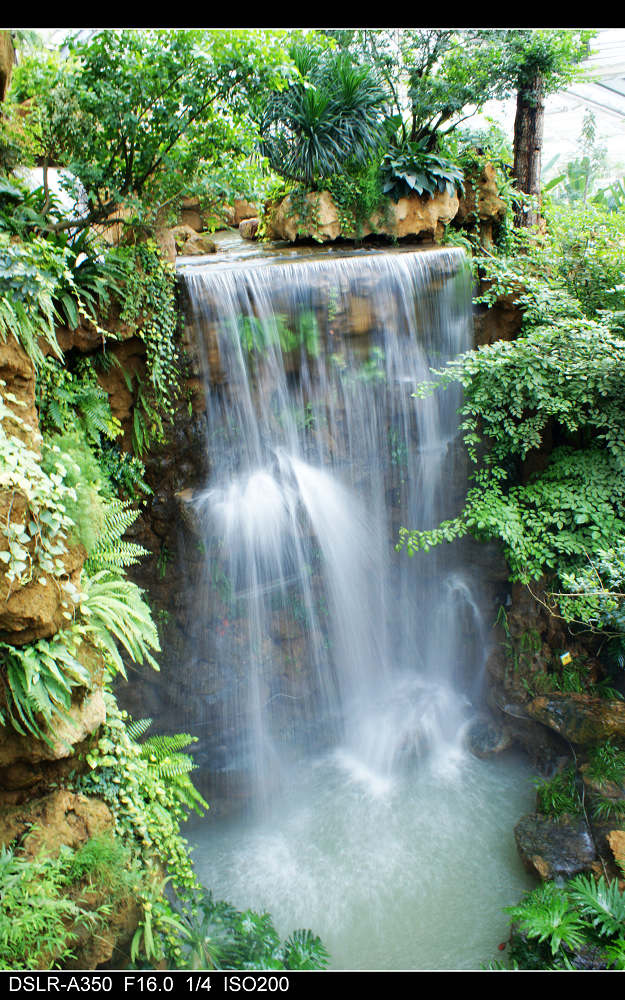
(333, 113)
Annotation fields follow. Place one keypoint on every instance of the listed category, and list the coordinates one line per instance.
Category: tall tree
(538, 62)
(437, 77)
(134, 114)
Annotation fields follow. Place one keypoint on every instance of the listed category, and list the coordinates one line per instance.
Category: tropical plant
(558, 387)
(36, 527)
(49, 902)
(148, 307)
(38, 681)
(546, 916)
(218, 936)
(412, 169)
(110, 551)
(30, 277)
(38, 920)
(332, 115)
(578, 925)
(115, 614)
(69, 400)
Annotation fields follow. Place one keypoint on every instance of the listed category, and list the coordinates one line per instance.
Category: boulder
(191, 214)
(414, 216)
(485, 738)
(240, 209)
(248, 228)
(422, 216)
(481, 206)
(580, 718)
(199, 243)
(555, 848)
(319, 219)
(189, 242)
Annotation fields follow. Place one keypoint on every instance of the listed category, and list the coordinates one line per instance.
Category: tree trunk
(528, 141)
(7, 58)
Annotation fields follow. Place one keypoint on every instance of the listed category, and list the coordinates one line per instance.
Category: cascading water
(324, 644)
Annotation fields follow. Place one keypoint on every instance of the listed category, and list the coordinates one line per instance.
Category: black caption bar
(209, 984)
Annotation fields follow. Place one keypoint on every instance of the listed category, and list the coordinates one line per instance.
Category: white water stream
(342, 673)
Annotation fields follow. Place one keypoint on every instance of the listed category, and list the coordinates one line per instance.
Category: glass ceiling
(601, 90)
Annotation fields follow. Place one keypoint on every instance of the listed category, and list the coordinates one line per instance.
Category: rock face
(319, 219)
(32, 610)
(17, 376)
(60, 818)
(554, 849)
(239, 210)
(480, 206)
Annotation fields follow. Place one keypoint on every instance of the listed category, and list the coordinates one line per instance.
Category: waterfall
(315, 632)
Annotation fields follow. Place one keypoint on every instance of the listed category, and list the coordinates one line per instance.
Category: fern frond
(137, 727)
(109, 551)
(38, 683)
(115, 612)
(164, 759)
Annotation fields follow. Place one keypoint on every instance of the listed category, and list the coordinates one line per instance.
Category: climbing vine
(149, 309)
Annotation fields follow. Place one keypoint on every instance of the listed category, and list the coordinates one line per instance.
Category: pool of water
(405, 872)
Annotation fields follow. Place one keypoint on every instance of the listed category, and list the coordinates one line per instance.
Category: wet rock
(580, 718)
(190, 243)
(554, 848)
(485, 738)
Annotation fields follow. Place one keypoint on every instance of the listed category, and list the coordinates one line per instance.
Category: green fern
(110, 552)
(38, 682)
(69, 399)
(115, 612)
(165, 760)
(137, 728)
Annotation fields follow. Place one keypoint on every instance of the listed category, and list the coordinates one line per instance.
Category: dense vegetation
(141, 120)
